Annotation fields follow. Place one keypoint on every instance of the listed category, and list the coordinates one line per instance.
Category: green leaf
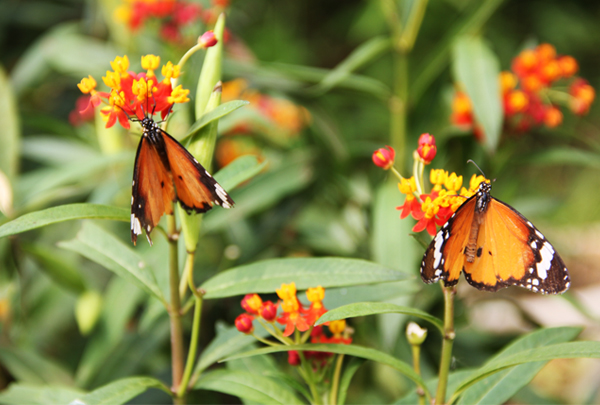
(264, 191)
(349, 370)
(240, 170)
(336, 297)
(19, 394)
(63, 213)
(213, 115)
(104, 248)
(30, 367)
(10, 134)
(54, 263)
(211, 68)
(352, 350)
(360, 56)
(500, 387)
(434, 65)
(391, 242)
(372, 308)
(121, 391)
(267, 275)
(249, 386)
(228, 340)
(568, 350)
(477, 69)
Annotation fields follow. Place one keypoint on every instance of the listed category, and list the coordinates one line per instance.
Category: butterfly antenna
(478, 168)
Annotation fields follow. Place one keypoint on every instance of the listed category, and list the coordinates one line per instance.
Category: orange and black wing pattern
(153, 193)
(197, 190)
(496, 247)
(165, 171)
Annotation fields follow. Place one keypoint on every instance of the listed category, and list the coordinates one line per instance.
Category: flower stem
(416, 355)
(177, 355)
(449, 336)
(189, 366)
(335, 382)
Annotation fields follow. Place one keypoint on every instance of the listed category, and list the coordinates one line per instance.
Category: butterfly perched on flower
(165, 171)
(495, 247)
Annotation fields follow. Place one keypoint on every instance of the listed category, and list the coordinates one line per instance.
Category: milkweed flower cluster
(290, 312)
(134, 95)
(293, 314)
(172, 16)
(533, 92)
(447, 193)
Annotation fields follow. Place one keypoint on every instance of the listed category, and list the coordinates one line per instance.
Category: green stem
(189, 366)
(187, 272)
(177, 355)
(416, 355)
(397, 106)
(449, 335)
(307, 374)
(335, 383)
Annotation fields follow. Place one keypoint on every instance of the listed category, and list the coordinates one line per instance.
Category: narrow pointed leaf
(568, 350)
(372, 308)
(352, 350)
(104, 248)
(121, 391)
(239, 171)
(477, 69)
(249, 386)
(63, 213)
(268, 275)
(20, 393)
(213, 115)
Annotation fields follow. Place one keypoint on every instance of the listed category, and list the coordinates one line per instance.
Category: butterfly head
(483, 196)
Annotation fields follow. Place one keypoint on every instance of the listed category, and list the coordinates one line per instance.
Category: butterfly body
(166, 172)
(495, 247)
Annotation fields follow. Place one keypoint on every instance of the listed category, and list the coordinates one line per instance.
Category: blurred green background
(320, 194)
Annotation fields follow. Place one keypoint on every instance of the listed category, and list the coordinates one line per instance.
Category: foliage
(310, 90)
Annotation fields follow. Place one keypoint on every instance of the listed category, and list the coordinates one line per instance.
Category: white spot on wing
(136, 227)
(437, 249)
(543, 266)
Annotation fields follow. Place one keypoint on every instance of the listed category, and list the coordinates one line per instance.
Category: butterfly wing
(510, 250)
(152, 189)
(444, 258)
(197, 190)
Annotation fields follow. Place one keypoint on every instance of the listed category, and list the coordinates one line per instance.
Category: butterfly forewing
(196, 189)
(152, 189)
(444, 257)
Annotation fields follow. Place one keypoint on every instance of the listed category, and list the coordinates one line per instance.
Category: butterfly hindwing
(152, 189)
(196, 189)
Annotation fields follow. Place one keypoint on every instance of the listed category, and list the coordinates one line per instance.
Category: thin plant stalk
(335, 381)
(177, 352)
(449, 335)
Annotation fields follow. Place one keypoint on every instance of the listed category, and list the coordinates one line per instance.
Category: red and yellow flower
(135, 95)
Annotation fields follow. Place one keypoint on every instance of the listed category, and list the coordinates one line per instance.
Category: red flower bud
(427, 149)
(251, 303)
(293, 358)
(243, 323)
(268, 311)
(208, 39)
(384, 158)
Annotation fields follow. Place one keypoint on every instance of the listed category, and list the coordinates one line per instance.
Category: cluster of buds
(425, 152)
(294, 315)
(447, 191)
(134, 95)
(275, 118)
(173, 16)
(531, 92)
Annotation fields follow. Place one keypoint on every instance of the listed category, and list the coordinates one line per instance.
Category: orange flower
(427, 148)
(515, 101)
(252, 303)
(462, 113)
(243, 323)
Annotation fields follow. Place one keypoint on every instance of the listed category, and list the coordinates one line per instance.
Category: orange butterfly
(165, 171)
(495, 246)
